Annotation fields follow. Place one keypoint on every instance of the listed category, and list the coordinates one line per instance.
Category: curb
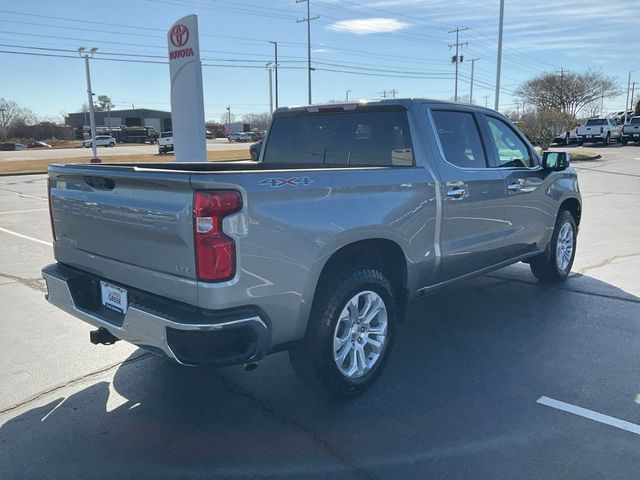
(586, 159)
(11, 174)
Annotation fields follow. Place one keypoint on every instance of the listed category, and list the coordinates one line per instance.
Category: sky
(368, 47)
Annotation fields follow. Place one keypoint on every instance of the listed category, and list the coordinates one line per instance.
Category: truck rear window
(166, 134)
(596, 121)
(634, 121)
(363, 138)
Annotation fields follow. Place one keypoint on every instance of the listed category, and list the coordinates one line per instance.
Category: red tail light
(215, 252)
(53, 230)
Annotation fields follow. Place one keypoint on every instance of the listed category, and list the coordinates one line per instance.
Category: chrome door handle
(513, 187)
(456, 192)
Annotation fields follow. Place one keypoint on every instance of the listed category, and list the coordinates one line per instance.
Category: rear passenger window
(366, 138)
(460, 139)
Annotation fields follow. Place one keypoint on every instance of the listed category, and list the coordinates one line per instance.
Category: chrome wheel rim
(360, 334)
(564, 247)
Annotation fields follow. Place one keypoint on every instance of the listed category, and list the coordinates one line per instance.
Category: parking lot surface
(498, 377)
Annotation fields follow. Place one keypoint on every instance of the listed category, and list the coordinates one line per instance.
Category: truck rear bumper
(185, 334)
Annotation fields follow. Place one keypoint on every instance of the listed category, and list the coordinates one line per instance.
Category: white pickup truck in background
(599, 130)
(631, 131)
(165, 142)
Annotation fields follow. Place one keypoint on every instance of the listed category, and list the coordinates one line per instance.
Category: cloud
(365, 26)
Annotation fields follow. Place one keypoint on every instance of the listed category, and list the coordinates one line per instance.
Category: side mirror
(555, 160)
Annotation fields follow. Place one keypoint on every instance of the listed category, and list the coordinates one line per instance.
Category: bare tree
(12, 114)
(568, 92)
(258, 121)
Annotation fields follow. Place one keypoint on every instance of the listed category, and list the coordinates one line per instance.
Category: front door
(529, 213)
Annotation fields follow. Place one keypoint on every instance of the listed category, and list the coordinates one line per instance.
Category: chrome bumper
(146, 326)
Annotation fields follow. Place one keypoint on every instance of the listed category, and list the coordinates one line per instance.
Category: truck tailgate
(132, 226)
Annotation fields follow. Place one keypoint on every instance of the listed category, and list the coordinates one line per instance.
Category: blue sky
(384, 44)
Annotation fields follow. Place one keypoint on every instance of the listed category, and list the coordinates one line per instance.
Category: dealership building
(138, 117)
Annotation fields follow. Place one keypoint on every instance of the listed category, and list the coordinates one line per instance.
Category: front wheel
(554, 264)
(112, 144)
(350, 333)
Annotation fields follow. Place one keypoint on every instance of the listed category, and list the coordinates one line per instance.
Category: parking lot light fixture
(92, 120)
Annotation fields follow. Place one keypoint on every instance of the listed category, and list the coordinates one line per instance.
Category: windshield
(374, 138)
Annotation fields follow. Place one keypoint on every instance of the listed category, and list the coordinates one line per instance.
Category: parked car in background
(567, 138)
(254, 150)
(101, 141)
(631, 131)
(38, 145)
(239, 137)
(210, 135)
(20, 146)
(165, 142)
(352, 211)
(599, 130)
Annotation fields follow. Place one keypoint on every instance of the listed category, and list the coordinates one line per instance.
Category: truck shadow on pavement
(457, 400)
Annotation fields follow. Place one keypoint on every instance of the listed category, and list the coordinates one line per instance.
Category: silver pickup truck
(351, 211)
(631, 131)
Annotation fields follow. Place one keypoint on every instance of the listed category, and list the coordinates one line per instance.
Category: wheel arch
(574, 207)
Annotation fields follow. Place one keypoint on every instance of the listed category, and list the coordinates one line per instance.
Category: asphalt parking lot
(498, 377)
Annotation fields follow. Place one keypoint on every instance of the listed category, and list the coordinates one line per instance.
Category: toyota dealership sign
(187, 103)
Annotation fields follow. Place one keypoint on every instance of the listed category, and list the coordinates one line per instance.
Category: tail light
(53, 230)
(215, 252)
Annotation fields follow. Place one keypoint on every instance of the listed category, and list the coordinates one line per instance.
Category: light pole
(269, 67)
(228, 115)
(499, 62)
(347, 95)
(626, 103)
(275, 63)
(92, 119)
(473, 62)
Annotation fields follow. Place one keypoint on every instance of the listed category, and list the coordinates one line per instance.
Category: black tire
(607, 139)
(313, 358)
(567, 139)
(112, 144)
(254, 155)
(545, 266)
(580, 143)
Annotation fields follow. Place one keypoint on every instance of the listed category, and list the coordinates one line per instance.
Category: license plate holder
(113, 297)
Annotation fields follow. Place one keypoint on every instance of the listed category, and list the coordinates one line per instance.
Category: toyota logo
(179, 35)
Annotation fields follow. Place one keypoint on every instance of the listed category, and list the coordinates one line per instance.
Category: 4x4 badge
(290, 182)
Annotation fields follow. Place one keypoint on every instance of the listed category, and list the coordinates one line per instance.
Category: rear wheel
(554, 264)
(350, 333)
(607, 139)
(112, 144)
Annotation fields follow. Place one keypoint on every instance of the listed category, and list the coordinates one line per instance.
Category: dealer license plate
(114, 297)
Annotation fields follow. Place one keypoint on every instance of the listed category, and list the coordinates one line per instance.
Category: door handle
(456, 190)
(514, 187)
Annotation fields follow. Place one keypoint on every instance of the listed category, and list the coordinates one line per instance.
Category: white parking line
(590, 414)
(26, 237)
(25, 211)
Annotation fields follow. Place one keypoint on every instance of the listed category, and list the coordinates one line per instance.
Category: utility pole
(499, 63)
(4, 127)
(92, 117)
(633, 90)
(109, 116)
(275, 63)
(562, 90)
(308, 20)
(229, 115)
(269, 67)
(457, 58)
(602, 103)
(347, 95)
(473, 61)
(486, 101)
(626, 103)
(383, 93)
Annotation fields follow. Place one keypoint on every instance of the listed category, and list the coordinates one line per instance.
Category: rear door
(473, 206)
(528, 208)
